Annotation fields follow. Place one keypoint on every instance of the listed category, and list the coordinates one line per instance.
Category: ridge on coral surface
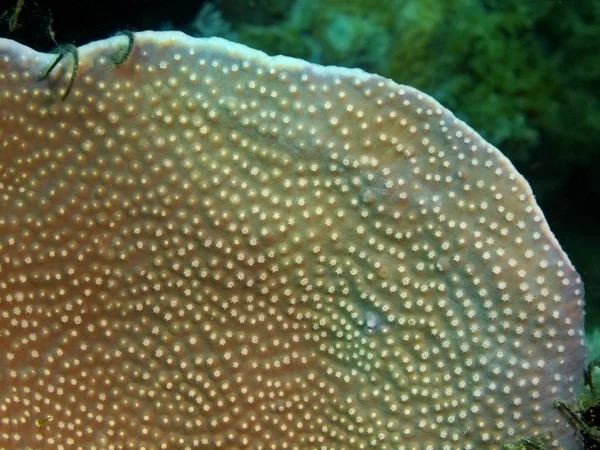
(205, 246)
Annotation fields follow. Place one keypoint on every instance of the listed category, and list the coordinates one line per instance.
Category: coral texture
(206, 247)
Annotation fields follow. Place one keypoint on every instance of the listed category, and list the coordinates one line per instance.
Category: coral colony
(202, 246)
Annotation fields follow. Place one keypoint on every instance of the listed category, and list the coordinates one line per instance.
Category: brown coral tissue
(206, 247)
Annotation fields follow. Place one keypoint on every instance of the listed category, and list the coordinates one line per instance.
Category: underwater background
(524, 73)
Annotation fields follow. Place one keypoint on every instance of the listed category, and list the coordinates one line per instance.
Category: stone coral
(208, 247)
